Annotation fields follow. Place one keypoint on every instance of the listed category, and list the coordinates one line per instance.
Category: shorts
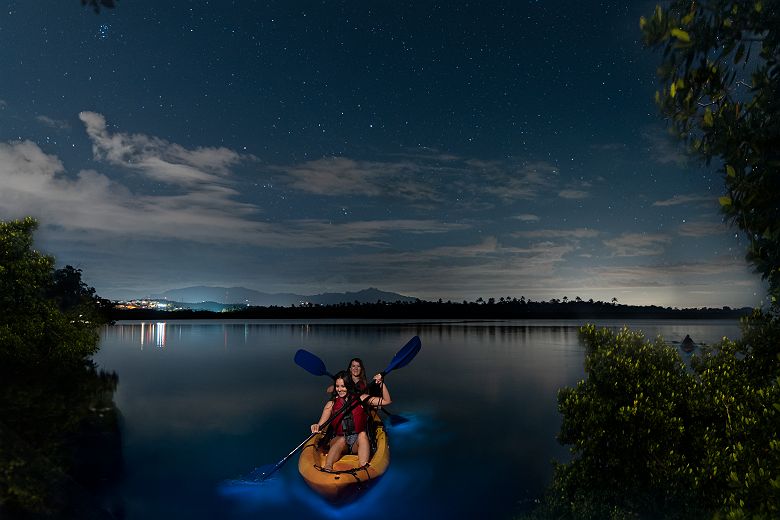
(350, 440)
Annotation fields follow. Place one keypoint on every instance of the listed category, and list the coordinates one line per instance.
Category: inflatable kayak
(347, 478)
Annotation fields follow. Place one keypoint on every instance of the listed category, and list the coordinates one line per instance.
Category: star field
(441, 151)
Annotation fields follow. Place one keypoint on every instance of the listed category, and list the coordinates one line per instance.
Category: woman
(349, 425)
(358, 380)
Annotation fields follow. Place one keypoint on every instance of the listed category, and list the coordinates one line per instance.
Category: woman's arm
(324, 417)
(378, 401)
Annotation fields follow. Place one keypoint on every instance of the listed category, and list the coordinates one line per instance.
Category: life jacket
(347, 424)
(371, 389)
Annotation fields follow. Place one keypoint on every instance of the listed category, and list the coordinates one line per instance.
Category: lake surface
(205, 402)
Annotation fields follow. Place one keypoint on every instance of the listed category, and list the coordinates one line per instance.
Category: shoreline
(438, 311)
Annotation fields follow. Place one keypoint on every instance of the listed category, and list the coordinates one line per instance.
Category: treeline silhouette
(503, 308)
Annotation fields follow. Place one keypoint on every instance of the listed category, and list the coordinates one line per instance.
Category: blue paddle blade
(405, 355)
(310, 363)
(395, 420)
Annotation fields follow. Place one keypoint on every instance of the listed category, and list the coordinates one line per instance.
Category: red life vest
(372, 389)
(358, 416)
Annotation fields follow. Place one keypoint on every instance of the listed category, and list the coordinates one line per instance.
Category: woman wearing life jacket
(357, 378)
(349, 426)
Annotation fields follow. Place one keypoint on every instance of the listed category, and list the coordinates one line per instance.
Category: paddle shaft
(341, 413)
(315, 366)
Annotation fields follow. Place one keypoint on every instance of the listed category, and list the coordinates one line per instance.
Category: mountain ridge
(243, 296)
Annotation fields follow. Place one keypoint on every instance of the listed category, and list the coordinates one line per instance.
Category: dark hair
(362, 370)
(343, 374)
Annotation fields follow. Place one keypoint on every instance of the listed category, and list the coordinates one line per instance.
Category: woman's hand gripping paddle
(260, 474)
(314, 365)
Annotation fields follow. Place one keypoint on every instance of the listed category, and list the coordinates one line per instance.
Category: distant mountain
(370, 295)
(244, 296)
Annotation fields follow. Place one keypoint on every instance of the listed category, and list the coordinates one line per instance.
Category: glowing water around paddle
(204, 403)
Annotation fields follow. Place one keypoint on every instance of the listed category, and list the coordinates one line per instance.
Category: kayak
(347, 478)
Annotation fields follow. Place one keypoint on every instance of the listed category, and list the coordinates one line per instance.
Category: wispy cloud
(203, 204)
(638, 244)
(425, 178)
(487, 267)
(57, 124)
(678, 200)
(372, 233)
(527, 217)
(550, 234)
(609, 147)
(91, 202)
(524, 182)
(159, 159)
(702, 229)
(573, 194)
(668, 274)
(663, 148)
(345, 176)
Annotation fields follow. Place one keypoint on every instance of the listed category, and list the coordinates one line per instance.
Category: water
(206, 402)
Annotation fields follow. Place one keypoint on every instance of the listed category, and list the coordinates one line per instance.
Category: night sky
(449, 150)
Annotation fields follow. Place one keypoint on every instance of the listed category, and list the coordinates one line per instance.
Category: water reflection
(60, 449)
(223, 397)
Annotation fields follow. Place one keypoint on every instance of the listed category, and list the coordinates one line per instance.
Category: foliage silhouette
(720, 89)
(59, 437)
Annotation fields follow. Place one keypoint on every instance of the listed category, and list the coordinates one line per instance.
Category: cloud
(550, 234)
(527, 217)
(3, 104)
(678, 200)
(702, 229)
(158, 159)
(608, 147)
(664, 148)
(573, 194)
(693, 273)
(638, 244)
(372, 233)
(344, 176)
(525, 182)
(35, 182)
(57, 124)
(487, 267)
(204, 208)
(424, 178)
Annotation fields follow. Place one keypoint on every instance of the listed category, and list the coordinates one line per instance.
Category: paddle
(265, 474)
(314, 365)
(309, 360)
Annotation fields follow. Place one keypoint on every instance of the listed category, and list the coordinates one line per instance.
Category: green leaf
(724, 201)
(681, 35)
(730, 171)
(708, 117)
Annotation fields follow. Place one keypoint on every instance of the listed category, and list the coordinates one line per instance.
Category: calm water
(206, 402)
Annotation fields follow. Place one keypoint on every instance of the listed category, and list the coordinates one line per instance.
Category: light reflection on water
(211, 400)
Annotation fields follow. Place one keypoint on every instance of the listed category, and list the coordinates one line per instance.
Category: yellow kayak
(347, 477)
